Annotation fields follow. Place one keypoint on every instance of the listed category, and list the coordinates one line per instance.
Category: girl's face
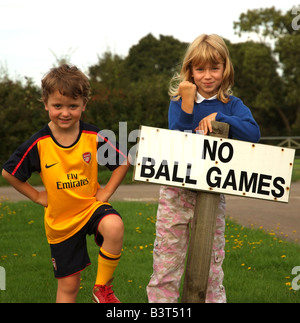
(208, 79)
(64, 112)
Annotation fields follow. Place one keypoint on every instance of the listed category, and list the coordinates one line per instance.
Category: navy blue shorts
(71, 256)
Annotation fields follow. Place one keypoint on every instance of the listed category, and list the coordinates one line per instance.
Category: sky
(34, 32)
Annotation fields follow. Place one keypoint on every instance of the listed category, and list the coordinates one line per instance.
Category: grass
(296, 170)
(257, 266)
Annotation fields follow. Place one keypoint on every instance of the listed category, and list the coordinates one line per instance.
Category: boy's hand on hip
(42, 198)
(102, 195)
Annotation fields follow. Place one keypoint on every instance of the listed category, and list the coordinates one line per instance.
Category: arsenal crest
(87, 157)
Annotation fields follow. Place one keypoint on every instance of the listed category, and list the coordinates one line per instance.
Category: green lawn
(257, 266)
(296, 170)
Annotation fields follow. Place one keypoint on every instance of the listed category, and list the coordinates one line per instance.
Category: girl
(199, 95)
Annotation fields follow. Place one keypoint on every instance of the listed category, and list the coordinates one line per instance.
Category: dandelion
(138, 230)
(283, 256)
(141, 247)
(129, 281)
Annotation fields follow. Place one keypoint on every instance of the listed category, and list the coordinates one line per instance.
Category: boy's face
(208, 79)
(64, 111)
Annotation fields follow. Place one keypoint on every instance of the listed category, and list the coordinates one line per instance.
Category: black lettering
(212, 152)
(188, 175)
(230, 180)
(66, 185)
(146, 168)
(248, 184)
(278, 186)
(174, 177)
(220, 152)
(262, 184)
(163, 170)
(217, 181)
(71, 184)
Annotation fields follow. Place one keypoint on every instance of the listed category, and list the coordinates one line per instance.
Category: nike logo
(48, 166)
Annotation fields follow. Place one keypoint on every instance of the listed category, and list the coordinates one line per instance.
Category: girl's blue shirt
(235, 113)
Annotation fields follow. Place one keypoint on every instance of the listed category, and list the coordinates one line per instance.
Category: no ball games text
(212, 164)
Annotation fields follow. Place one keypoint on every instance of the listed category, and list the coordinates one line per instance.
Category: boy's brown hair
(68, 80)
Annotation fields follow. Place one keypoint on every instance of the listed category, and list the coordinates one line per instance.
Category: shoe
(104, 294)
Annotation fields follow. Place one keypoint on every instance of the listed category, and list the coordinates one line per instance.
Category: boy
(64, 152)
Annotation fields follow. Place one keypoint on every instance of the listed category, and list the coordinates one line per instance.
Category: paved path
(283, 219)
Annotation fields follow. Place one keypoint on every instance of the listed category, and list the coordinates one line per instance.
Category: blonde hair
(205, 49)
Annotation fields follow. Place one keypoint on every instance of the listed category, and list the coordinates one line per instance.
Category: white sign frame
(204, 163)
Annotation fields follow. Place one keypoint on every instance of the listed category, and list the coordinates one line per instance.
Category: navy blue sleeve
(24, 161)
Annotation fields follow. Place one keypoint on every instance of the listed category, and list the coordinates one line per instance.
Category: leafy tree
(153, 56)
(134, 88)
(258, 84)
(21, 114)
(272, 25)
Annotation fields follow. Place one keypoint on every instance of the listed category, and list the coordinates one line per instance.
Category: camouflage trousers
(174, 216)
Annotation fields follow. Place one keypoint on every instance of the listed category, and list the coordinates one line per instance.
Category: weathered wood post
(202, 237)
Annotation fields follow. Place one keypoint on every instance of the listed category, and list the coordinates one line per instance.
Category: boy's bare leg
(67, 289)
(112, 230)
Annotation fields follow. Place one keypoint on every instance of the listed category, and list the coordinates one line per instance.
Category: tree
(258, 84)
(271, 25)
(134, 88)
(21, 114)
(153, 56)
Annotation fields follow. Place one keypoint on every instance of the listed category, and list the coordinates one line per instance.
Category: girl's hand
(187, 91)
(205, 123)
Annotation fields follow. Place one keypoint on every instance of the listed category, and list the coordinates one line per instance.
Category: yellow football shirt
(69, 174)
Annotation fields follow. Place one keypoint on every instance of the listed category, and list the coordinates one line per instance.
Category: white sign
(227, 166)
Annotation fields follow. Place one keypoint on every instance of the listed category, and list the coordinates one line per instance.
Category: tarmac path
(281, 218)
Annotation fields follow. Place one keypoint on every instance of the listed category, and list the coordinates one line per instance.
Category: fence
(288, 142)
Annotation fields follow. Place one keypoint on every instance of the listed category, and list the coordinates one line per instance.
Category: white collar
(201, 98)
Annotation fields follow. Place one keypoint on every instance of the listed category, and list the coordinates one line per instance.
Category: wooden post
(202, 237)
